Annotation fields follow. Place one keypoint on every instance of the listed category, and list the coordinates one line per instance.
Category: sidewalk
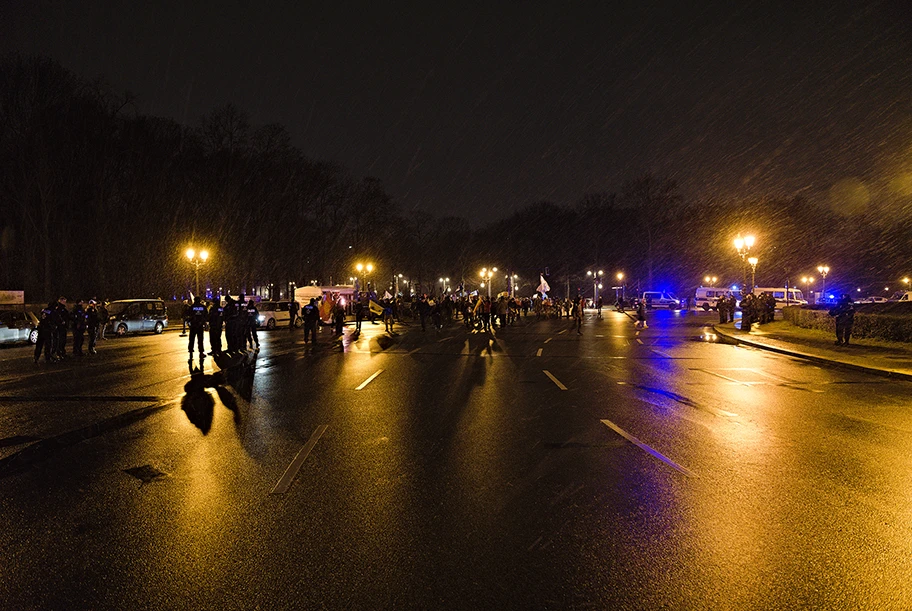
(868, 355)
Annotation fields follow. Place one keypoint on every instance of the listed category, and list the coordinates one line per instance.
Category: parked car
(661, 299)
(18, 326)
(137, 316)
(872, 299)
(901, 296)
(276, 314)
(783, 296)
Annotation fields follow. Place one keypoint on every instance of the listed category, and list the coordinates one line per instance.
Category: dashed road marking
(553, 379)
(284, 482)
(639, 341)
(369, 380)
(548, 340)
(562, 332)
(647, 449)
(539, 352)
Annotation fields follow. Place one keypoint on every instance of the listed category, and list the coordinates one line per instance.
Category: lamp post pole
(197, 259)
(753, 263)
(743, 246)
(824, 270)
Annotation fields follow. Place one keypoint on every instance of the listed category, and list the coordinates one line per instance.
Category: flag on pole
(543, 287)
(386, 295)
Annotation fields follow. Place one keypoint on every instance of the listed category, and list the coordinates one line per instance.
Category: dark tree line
(99, 200)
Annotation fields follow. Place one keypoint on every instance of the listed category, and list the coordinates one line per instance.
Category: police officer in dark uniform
(216, 316)
(61, 322)
(311, 319)
(197, 324)
(79, 328)
(240, 340)
(93, 321)
(253, 321)
(46, 332)
(231, 315)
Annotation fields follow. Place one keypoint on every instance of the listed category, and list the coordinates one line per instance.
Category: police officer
(231, 315)
(79, 328)
(253, 321)
(93, 321)
(46, 332)
(722, 307)
(240, 340)
(216, 316)
(311, 318)
(61, 322)
(197, 323)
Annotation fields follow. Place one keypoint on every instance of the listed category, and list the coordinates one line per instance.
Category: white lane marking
(562, 332)
(539, 352)
(553, 379)
(548, 340)
(284, 482)
(415, 350)
(444, 339)
(370, 379)
(647, 449)
(639, 341)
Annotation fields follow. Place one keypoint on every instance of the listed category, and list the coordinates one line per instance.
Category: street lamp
(620, 277)
(596, 284)
(808, 281)
(743, 246)
(487, 274)
(196, 259)
(365, 268)
(710, 280)
(824, 270)
(753, 263)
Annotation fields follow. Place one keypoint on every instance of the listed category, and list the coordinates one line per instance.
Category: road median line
(553, 379)
(647, 449)
(284, 482)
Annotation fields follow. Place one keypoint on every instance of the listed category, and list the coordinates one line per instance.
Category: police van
(784, 297)
(707, 297)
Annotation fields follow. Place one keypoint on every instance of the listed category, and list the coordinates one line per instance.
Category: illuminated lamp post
(808, 281)
(196, 260)
(711, 280)
(596, 285)
(753, 263)
(743, 246)
(824, 270)
(486, 275)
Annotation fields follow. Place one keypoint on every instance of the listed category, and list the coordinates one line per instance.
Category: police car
(276, 313)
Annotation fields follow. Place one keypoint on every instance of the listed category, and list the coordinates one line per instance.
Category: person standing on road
(197, 324)
(577, 312)
(46, 332)
(293, 308)
(92, 323)
(103, 319)
(216, 318)
(641, 314)
(79, 328)
(231, 315)
(61, 322)
(844, 313)
(599, 306)
(722, 307)
(253, 321)
(311, 318)
(185, 316)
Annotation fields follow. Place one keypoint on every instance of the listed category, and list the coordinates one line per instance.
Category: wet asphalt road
(531, 468)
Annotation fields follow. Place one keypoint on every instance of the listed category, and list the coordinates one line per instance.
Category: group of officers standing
(55, 320)
(239, 322)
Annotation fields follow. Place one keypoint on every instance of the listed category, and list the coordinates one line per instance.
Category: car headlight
(262, 318)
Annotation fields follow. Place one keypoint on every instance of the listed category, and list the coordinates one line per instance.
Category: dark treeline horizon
(97, 200)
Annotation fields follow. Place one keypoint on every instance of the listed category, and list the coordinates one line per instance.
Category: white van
(792, 298)
(661, 299)
(707, 297)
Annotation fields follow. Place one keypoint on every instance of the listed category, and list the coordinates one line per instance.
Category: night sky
(481, 110)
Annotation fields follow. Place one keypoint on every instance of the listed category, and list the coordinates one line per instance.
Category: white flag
(543, 287)
(386, 295)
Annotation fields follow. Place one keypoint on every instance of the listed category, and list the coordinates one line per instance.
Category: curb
(42, 450)
(888, 373)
